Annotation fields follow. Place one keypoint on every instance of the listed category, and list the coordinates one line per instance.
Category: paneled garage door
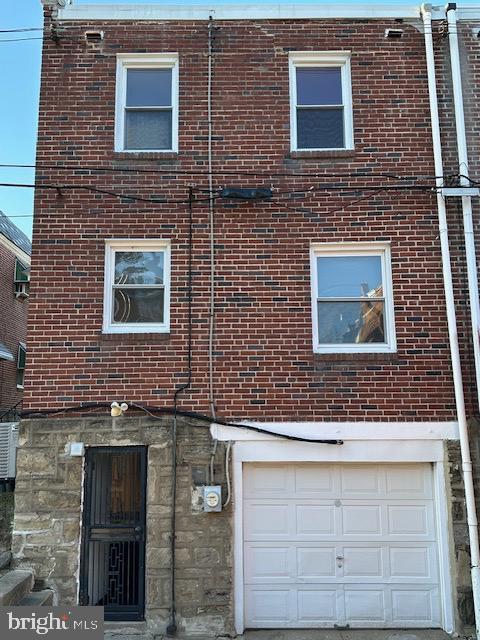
(329, 545)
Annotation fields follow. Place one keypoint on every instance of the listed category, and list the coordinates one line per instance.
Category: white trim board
(272, 11)
(382, 451)
(19, 253)
(341, 431)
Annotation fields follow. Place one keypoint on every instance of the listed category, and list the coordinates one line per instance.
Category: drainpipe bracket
(458, 192)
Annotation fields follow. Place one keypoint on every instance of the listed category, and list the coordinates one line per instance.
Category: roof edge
(272, 11)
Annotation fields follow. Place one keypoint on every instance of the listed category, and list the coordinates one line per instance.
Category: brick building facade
(14, 249)
(326, 321)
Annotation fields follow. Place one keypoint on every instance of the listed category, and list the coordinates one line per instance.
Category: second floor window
(352, 301)
(137, 286)
(320, 101)
(147, 103)
(21, 360)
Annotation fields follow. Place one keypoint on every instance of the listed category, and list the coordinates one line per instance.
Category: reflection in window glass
(349, 276)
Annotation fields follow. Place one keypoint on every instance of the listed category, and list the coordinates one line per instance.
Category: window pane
(139, 267)
(148, 130)
(351, 322)
(21, 272)
(138, 305)
(349, 276)
(319, 85)
(22, 356)
(149, 87)
(320, 129)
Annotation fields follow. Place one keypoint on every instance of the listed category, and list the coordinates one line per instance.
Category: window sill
(135, 338)
(327, 153)
(381, 356)
(20, 387)
(145, 155)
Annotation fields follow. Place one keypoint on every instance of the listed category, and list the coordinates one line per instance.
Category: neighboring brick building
(15, 251)
(328, 322)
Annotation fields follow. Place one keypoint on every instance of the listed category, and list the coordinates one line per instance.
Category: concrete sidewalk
(332, 634)
(347, 634)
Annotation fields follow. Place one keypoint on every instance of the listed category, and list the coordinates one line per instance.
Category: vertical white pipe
(211, 208)
(451, 318)
(464, 181)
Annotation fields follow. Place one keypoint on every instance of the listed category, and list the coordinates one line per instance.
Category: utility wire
(71, 187)
(18, 39)
(267, 175)
(21, 30)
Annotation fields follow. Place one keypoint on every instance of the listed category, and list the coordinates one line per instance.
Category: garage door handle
(339, 557)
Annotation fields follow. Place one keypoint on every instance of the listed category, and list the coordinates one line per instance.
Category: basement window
(21, 360)
(320, 101)
(137, 286)
(146, 112)
(352, 301)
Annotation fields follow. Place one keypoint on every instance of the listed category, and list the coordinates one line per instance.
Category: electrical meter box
(212, 498)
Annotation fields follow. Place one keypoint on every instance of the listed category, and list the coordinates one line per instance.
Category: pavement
(335, 634)
(311, 634)
(347, 634)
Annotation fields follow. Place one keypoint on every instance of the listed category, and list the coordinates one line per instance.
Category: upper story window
(21, 280)
(137, 286)
(352, 301)
(21, 362)
(320, 101)
(146, 115)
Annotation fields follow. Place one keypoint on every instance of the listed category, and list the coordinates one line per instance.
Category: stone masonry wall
(48, 510)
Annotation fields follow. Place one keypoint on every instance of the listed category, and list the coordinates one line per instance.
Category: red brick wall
(13, 329)
(264, 365)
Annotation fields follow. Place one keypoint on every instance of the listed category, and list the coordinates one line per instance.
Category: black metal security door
(112, 572)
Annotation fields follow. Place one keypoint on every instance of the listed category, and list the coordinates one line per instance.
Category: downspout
(426, 12)
(465, 182)
(211, 208)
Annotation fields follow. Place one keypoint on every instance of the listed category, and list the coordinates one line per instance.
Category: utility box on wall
(212, 498)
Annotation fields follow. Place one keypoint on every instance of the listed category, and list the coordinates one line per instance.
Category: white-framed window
(21, 280)
(21, 362)
(320, 100)
(137, 286)
(352, 298)
(146, 106)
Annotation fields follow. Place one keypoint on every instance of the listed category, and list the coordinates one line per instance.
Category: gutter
(426, 12)
(465, 182)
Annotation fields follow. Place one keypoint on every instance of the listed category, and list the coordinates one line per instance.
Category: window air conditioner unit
(21, 290)
(8, 448)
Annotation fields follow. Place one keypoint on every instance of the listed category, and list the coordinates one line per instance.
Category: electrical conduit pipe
(426, 12)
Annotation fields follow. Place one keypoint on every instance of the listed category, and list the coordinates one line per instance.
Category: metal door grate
(113, 546)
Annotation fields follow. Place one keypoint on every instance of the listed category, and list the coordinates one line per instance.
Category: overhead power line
(18, 39)
(265, 174)
(21, 30)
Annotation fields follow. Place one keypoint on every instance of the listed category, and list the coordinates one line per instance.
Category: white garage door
(329, 545)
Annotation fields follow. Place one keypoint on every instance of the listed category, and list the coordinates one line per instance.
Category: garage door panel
(408, 481)
(267, 521)
(361, 520)
(267, 563)
(411, 520)
(341, 544)
(365, 604)
(267, 606)
(315, 520)
(363, 562)
(319, 605)
(268, 480)
(314, 480)
(415, 606)
(360, 481)
(316, 562)
(413, 563)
